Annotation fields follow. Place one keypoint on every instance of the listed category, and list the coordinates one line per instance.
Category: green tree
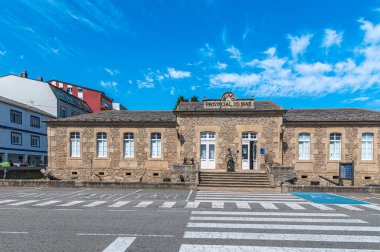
(179, 100)
(194, 99)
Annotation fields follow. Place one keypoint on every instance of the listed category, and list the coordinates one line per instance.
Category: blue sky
(144, 54)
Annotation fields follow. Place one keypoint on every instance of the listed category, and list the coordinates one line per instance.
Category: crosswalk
(212, 200)
(217, 230)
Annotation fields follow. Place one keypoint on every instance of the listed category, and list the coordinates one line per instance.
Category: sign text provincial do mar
(229, 101)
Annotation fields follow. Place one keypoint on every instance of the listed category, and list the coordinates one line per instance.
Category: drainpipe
(282, 143)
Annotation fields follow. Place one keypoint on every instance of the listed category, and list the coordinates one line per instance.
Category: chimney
(40, 78)
(24, 74)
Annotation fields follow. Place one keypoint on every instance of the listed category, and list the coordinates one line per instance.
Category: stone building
(258, 142)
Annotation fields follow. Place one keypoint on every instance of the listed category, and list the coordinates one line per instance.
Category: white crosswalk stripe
(194, 204)
(71, 203)
(217, 205)
(168, 204)
(144, 204)
(119, 204)
(257, 219)
(243, 205)
(371, 206)
(349, 207)
(295, 206)
(47, 203)
(321, 207)
(95, 203)
(6, 201)
(23, 203)
(289, 214)
(268, 205)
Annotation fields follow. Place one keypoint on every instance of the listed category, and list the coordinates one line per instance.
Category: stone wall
(115, 167)
(366, 172)
(229, 129)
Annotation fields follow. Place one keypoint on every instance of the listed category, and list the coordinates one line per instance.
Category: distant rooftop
(25, 106)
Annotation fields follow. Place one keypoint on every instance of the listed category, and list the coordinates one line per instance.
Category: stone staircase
(234, 180)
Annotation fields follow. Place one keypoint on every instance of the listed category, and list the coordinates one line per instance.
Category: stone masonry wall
(366, 172)
(114, 167)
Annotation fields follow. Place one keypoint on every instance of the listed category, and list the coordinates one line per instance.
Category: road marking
(18, 192)
(72, 203)
(144, 204)
(66, 194)
(137, 235)
(311, 220)
(22, 203)
(282, 237)
(229, 248)
(12, 232)
(194, 204)
(268, 205)
(168, 204)
(121, 244)
(247, 198)
(269, 214)
(349, 207)
(217, 204)
(372, 206)
(68, 209)
(188, 196)
(6, 201)
(244, 193)
(321, 207)
(295, 206)
(119, 204)
(47, 203)
(121, 210)
(251, 201)
(95, 203)
(243, 205)
(128, 195)
(283, 227)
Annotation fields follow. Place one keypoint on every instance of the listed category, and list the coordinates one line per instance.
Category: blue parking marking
(326, 198)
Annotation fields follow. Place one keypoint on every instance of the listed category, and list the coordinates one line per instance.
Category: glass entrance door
(207, 150)
(249, 151)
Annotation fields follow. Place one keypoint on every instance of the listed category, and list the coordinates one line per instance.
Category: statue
(231, 160)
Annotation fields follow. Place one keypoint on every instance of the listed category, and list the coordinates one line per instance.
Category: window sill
(155, 159)
(334, 161)
(305, 161)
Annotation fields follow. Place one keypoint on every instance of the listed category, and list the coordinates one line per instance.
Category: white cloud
(194, 87)
(313, 69)
(178, 74)
(130, 81)
(332, 37)
(111, 72)
(2, 53)
(357, 99)
(207, 50)
(234, 52)
(371, 31)
(271, 52)
(172, 90)
(246, 32)
(233, 80)
(298, 45)
(221, 66)
(109, 84)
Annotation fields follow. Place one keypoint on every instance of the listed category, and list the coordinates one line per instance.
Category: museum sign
(229, 101)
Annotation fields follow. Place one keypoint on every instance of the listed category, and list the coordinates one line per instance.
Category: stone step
(235, 185)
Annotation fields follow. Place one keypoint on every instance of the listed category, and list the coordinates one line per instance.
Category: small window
(80, 93)
(335, 146)
(60, 85)
(129, 145)
(367, 146)
(249, 135)
(63, 112)
(102, 144)
(69, 89)
(16, 117)
(304, 146)
(16, 138)
(72, 113)
(35, 141)
(35, 121)
(155, 145)
(74, 144)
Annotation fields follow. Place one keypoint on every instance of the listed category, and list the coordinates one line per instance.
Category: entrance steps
(243, 180)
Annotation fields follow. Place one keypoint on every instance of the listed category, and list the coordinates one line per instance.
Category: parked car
(6, 164)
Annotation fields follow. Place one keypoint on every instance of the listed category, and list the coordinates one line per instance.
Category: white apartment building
(23, 133)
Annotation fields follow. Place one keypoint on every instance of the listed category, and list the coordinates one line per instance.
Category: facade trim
(15, 149)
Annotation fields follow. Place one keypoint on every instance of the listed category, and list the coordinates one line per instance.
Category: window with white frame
(35, 141)
(367, 146)
(74, 144)
(304, 146)
(102, 144)
(34, 121)
(335, 146)
(129, 145)
(16, 116)
(155, 145)
(16, 138)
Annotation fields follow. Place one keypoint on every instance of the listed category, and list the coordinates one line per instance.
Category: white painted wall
(30, 92)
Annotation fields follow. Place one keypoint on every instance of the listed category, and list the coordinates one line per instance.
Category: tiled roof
(24, 106)
(258, 105)
(331, 115)
(126, 116)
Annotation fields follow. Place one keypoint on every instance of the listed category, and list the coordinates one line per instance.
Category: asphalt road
(49, 219)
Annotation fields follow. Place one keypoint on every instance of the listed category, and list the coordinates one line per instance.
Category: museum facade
(226, 135)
